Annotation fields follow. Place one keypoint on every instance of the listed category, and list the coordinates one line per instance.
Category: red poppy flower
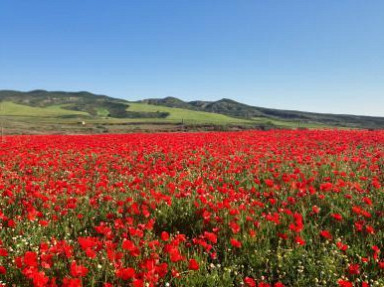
(249, 282)
(3, 270)
(235, 243)
(193, 265)
(326, 234)
(354, 269)
(125, 273)
(165, 236)
(78, 270)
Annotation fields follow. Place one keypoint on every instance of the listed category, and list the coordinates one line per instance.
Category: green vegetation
(14, 109)
(288, 124)
(93, 105)
(41, 111)
(189, 116)
(305, 119)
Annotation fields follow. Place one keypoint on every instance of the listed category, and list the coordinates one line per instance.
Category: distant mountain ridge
(101, 106)
(94, 105)
(239, 110)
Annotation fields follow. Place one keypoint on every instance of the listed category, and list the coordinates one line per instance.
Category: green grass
(18, 118)
(288, 124)
(102, 112)
(188, 116)
(176, 114)
(13, 109)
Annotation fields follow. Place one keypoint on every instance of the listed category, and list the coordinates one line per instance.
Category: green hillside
(82, 112)
(91, 104)
(42, 111)
(20, 110)
(239, 110)
(187, 116)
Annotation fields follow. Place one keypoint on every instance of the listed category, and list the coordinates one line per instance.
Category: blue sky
(318, 55)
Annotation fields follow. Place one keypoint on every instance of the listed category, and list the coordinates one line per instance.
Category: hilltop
(239, 110)
(88, 103)
(41, 111)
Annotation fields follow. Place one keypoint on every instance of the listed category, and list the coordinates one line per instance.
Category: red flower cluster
(151, 209)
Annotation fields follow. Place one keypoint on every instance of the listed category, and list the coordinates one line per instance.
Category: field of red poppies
(276, 208)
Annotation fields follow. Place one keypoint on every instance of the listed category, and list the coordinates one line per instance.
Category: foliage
(238, 110)
(58, 103)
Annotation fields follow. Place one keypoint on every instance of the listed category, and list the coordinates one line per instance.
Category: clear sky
(317, 55)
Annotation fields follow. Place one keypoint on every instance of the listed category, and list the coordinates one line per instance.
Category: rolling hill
(87, 103)
(238, 110)
(41, 111)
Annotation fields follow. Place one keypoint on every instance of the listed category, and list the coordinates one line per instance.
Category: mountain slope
(186, 115)
(47, 112)
(235, 109)
(85, 102)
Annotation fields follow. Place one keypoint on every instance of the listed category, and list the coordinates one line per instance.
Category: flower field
(276, 208)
